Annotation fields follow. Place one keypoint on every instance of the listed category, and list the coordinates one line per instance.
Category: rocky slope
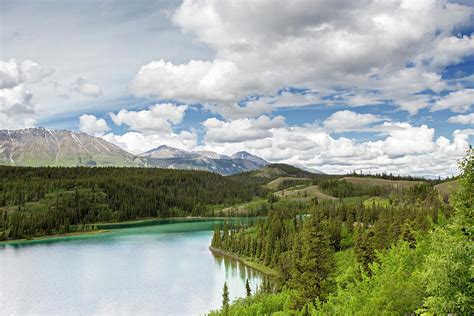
(44, 147)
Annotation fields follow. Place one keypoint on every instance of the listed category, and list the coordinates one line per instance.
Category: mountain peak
(248, 156)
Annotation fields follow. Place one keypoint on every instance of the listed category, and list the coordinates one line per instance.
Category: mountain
(211, 154)
(249, 157)
(174, 158)
(164, 151)
(44, 147)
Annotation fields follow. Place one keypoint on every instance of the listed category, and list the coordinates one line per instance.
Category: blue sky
(332, 85)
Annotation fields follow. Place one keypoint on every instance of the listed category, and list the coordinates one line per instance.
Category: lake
(160, 269)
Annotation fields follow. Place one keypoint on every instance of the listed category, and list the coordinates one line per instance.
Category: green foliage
(225, 297)
(29, 209)
(448, 271)
(310, 275)
(411, 254)
(248, 291)
(342, 188)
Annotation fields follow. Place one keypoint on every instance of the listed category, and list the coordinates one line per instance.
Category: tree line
(43, 201)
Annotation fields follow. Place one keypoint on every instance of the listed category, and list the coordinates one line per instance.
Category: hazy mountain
(164, 151)
(211, 154)
(174, 158)
(249, 157)
(44, 147)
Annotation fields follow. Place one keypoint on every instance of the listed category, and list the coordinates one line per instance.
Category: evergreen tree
(311, 275)
(225, 298)
(247, 288)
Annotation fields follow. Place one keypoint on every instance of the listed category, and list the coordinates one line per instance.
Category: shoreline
(107, 227)
(52, 237)
(261, 268)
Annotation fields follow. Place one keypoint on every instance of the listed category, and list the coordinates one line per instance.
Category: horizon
(336, 87)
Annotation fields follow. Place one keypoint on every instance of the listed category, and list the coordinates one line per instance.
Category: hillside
(45, 201)
(446, 188)
(44, 147)
(381, 182)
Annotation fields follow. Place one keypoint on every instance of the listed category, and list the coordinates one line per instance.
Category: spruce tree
(311, 274)
(225, 298)
(247, 288)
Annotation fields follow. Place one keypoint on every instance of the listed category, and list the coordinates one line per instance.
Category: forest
(53, 200)
(409, 253)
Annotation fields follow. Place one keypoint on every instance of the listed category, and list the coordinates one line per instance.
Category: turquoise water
(160, 269)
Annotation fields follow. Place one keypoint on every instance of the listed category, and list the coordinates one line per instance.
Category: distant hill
(45, 147)
(382, 182)
(448, 187)
(283, 170)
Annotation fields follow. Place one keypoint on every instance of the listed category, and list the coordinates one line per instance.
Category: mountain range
(45, 147)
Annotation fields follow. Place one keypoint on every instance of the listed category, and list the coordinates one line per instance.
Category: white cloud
(91, 125)
(241, 129)
(405, 139)
(138, 143)
(350, 121)
(197, 80)
(449, 50)
(400, 148)
(16, 105)
(467, 119)
(86, 88)
(459, 101)
(158, 118)
(312, 45)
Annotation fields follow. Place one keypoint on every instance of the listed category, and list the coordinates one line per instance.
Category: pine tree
(225, 298)
(310, 277)
(247, 288)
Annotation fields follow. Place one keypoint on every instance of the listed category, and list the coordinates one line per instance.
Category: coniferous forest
(45, 201)
(411, 255)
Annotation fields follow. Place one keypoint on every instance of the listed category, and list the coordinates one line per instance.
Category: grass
(243, 208)
(379, 201)
(447, 187)
(275, 184)
(382, 182)
(303, 193)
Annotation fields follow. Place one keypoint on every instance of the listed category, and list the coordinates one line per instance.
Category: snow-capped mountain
(45, 147)
(170, 157)
(247, 156)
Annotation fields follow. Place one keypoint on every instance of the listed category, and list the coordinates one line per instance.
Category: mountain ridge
(41, 146)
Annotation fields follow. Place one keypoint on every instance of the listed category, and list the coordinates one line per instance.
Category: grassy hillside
(447, 188)
(303, 193)
(401, 184)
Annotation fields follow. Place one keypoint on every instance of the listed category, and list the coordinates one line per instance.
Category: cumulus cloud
(151, 128)
(467, 119)
(82, 86)
(16, 101)
(459, 101)
(400, 147)
(350, 121)
(158, 118)
(241, 129)
(313, 46)
(138, 143)
(197, 80)
(91, 125)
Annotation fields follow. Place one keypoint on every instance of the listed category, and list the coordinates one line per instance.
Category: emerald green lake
(160, 269)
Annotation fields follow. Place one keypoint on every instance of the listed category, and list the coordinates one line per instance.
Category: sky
(336, 85)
